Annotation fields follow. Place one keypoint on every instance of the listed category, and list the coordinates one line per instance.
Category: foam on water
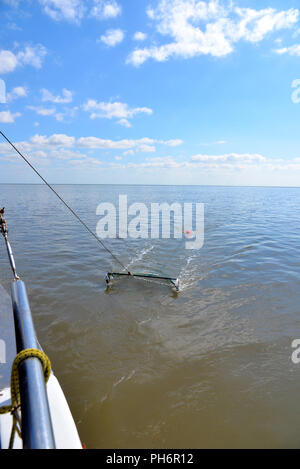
(140, 256)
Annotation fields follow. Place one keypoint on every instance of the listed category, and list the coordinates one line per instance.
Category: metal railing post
(37, 428)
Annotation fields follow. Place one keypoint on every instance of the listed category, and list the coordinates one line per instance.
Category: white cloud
(75, 10)
(67, 113)
(6, 117)
(254, 25)
(59, 117)
(42, 111)
(17, 92)
(215, 163)
(95, 142)
(45, 150)
(146, 148)
(218, 142)
(12, 3)
(13, 27)
(157, 162)
(230, 157)
(65, 154)
(85, 163)
(112, 37)
(114, 110)
(70, 10)
(8, 61)
(125, 123)
(128, 153)
(208, 28)
(31, 55)
(171, 143)
(98, 143)
(139, 36)
(105, 9)
(67, 96)
(292, 50)
(59, 148)
(54, 140)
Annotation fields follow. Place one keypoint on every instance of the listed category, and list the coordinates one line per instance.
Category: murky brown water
(142, 367)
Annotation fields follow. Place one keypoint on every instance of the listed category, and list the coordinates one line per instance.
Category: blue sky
(151, 91)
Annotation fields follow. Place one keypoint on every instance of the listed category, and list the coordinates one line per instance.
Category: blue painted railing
(37, 431)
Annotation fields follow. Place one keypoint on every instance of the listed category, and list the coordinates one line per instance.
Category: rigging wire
(66, 205)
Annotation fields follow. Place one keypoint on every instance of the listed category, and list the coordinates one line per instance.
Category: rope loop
(15, 385)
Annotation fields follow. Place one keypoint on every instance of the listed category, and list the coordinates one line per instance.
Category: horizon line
(132, 184)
